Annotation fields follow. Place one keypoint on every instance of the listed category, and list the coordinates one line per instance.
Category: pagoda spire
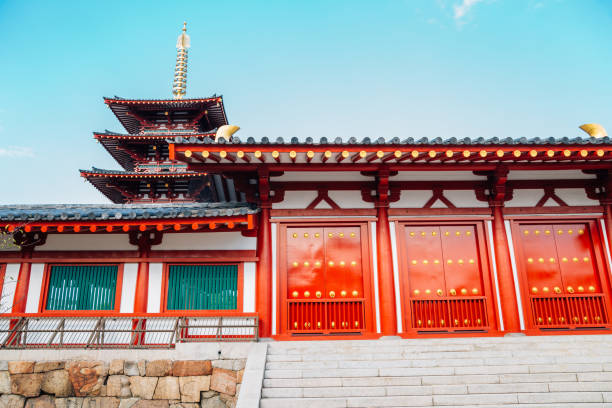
(179, 86)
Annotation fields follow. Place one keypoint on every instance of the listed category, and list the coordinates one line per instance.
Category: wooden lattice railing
(569, 311)
(152, 331)
(326, 316)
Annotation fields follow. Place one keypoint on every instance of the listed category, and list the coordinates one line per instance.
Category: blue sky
(310, 68)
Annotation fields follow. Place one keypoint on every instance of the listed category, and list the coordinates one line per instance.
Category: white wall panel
(435, 176)
(296, 199)
(412, 199)
(525, 198)
(11, 274)
(274, 228)
(155, 287)
(548, 175)
(396, 278)
(86, 242)
(36, 280)
(375, 273)
(248, 292)
(207, 240)
(349, 199)
(128, 288)
(317, 176)
(575, 196)
(464, 198)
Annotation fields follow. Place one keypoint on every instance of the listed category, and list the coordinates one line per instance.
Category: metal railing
(97, 332)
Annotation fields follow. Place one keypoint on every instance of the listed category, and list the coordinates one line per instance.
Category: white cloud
(462, 9)
(16, 151)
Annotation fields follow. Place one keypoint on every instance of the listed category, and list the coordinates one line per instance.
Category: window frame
(42, 307)
(239, 292)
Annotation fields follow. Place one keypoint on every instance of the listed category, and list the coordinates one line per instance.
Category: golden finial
(179, 86)
(594, 130)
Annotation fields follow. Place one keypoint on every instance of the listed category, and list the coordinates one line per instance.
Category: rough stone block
(151, 404)
(143, 387)
(239, 376)
(20, 367)
(223, 381)
(118, 386)
(27, 385)
(142, 365)
(115, 367)
(44, 366)
(229, 400)
(101, 402)
(3, 365)
(44, 401)
(131, 368)
(208, 394)
(87, 377)
(128, 402)
(187, 368)
(192, 387)
(167, 389)
(214, 402)
(5, 382)
(57, 383)
(73, 402)
(158, 368)
(184, 405)
(11, 401)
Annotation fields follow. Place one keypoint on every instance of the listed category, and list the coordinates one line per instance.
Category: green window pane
(82, 287)
(203, 287)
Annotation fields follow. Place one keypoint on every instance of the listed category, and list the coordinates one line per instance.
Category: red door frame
(484, 254)
(368, 283)
(600, 259)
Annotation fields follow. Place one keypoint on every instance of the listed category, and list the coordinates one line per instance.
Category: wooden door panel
(461, 261)
(424, 260)
(305, 255)
(344, 273)
(540, 261)
(574, 245)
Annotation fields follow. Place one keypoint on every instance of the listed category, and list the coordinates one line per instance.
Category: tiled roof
(438, 141)
(108, 212)
(104, 172)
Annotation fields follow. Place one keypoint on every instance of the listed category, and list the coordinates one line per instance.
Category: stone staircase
(543, 371)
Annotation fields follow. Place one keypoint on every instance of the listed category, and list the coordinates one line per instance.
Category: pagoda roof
(96, 172)
(395, 154)
(132, 112)
(109, 212)
(114, 143)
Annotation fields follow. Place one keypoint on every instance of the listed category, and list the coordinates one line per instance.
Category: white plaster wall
(155, 287)
(36, 280)
(525, 198)
(86, 242)
(548, 175)
(575, 196)
(11, 275)
(322, 176)
(128, 287)
(373, 245)
(248, 292)
(349, 199)
(296, 199)
(412, 199)
(464, 198)
(274, 274)
(207, 240)
(435, 176)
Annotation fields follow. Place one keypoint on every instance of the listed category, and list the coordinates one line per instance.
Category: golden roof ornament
(226, 132)
(179, 86)
(594, 130)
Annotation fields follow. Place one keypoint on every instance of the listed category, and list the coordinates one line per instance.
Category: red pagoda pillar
(386, 285)
(264, 253)
(23, 281)
(142, 288)
(505, 277)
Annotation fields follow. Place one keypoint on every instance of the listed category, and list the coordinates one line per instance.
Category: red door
(325, 280)
(444, 280)
(562, 267)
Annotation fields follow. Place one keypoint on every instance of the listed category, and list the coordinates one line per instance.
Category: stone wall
(121, 383)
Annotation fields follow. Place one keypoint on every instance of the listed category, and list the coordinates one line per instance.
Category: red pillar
(505, 278)
(21, 290)
(142, 288)
(264, 272)
(386, 286)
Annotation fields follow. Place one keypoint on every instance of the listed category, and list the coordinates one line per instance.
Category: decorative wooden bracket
(438, 194)
(323, 195)
(144, 240)
(601, 189)
(268, 196)
(29, 240)
(497, 190)
(383, 194)
(549, 193)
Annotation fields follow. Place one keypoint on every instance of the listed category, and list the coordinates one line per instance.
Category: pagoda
(148, 175)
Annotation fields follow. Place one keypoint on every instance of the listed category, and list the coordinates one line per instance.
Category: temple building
(214, 236)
